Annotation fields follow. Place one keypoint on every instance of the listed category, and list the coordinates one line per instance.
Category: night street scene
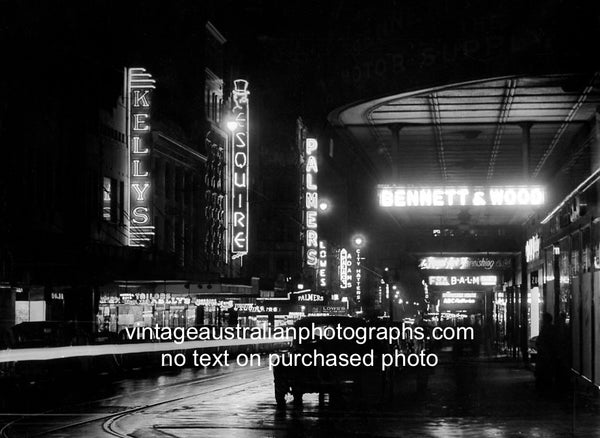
(319, 218)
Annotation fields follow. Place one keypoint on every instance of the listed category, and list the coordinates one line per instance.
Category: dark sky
(302, 58)
(329, 53)
(310, 57)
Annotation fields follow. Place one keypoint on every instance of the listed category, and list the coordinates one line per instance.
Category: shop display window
(586, 250)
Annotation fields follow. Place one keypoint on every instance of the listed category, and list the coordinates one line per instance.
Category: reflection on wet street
(472, 397)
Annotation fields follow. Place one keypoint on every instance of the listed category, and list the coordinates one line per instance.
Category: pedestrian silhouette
(563, 352)
(545, 368)
(233, 317)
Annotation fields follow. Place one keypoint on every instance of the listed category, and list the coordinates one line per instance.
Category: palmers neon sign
(311, 202)
(403, 197)
(239, 172)
(139, 91)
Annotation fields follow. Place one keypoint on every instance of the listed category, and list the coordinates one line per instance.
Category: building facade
(117, 173)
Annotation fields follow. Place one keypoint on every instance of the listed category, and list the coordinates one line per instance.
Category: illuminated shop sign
(146, 298)
(345, 269)
(311, 297)
(486, 263)
(335, 310)
(358, 275)
(532, 248)
(322, 271)
(239, 169)
(254, 308)
(139, 91)
(311, 202)
(398, 196)
(452, 280)
(459, 297)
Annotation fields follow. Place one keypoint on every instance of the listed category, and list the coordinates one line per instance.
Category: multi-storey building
(110, 179)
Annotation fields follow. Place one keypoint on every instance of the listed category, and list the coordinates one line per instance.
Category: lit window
(106, 198)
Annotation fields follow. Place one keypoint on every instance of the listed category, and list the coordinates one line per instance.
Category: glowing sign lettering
(322, 271)
(532, 248)
(403, 197)
(459, 297)
(453, 280)
(310, 297)
(311, 202)
(139, 89)
(345, 269)
(239, 169)
(358, 274)
(487, 263)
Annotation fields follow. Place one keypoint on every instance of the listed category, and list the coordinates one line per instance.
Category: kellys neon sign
(139, 90)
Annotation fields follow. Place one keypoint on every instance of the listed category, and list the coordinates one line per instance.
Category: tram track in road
(109, 425)
(112, 416)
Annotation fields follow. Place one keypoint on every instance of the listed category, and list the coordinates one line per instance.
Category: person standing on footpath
(545, 368)
(563, 353)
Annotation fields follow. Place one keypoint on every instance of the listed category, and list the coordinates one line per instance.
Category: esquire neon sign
(239, 163)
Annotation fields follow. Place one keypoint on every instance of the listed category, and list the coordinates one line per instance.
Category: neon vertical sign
(358, 275)
(311, 202)
(322, 271)
(345, 269)
(139, 91)
(239, 172)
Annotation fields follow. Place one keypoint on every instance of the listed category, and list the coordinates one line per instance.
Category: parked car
(39, 334)
(337, 381)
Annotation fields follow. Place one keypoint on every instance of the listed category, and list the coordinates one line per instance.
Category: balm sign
(139, 90)
(239, 170)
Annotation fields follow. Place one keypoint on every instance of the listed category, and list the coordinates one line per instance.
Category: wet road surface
(472, 397)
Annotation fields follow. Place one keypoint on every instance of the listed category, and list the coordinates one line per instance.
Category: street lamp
(232, 125)
(358, 240)
(324, 206)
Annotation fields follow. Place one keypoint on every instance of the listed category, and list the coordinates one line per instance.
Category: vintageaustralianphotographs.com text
(360, 335)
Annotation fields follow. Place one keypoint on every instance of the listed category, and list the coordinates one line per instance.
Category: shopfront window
(586, 250)
(549, 264)
(564, 267)
(575, 251)
(596, 245)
